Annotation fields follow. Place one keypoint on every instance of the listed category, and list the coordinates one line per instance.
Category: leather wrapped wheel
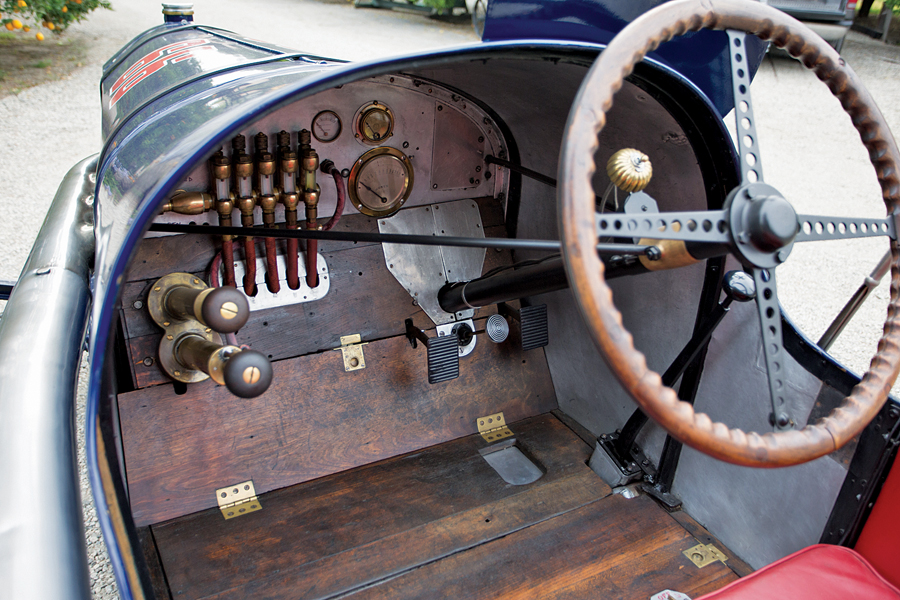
(579, 224)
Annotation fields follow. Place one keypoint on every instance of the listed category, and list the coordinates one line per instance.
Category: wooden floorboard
(338, 533)
(610, 548)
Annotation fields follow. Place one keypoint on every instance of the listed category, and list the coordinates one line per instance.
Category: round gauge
(380, 182)
(326, 126)
(374, 123)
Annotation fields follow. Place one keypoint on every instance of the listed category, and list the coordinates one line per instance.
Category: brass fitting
(290, 201)
(289, 162)
(244, 166)
(267, 203)
(221, 166)
(246, 206)
(189, 203)
(265, 160)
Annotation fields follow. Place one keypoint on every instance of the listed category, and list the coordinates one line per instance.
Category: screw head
(251, 375)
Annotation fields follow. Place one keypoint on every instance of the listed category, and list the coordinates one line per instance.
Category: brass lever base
(168, 346)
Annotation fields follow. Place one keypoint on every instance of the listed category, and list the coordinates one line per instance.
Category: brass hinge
(493, 427)
(351, 350)
(704, 554)
(236, 500)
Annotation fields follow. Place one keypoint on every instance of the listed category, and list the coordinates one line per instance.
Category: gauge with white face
(380, 182)
(326, 126)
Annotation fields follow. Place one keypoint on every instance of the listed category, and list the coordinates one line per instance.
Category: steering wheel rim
(585, 269)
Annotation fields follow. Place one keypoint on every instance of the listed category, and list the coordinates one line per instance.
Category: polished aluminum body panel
(41, 339)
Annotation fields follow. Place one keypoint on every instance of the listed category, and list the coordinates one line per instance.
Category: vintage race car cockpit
(378, 329)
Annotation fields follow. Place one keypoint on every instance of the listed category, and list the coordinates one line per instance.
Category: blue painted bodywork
(178, 116)
(700, 56)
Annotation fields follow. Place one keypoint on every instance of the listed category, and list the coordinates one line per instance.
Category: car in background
(831, 19)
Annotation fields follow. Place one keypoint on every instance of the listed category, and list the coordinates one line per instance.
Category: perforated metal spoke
(773, 348)
(747, 142)
(814, 228)
(695, 226)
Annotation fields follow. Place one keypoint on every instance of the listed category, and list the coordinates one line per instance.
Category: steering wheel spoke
(814, 228)
(692, 226)
(773, 348)
(745, 123)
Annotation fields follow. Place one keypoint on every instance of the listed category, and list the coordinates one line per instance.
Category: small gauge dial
(374, 123)
(380, 182)
(326, 126)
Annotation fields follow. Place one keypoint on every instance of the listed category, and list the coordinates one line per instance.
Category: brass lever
(246, 373)
(180, 297)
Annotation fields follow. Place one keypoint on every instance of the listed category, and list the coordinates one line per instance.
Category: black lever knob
(223, 309)
(739, 286)
(246, 373)
(179, 298)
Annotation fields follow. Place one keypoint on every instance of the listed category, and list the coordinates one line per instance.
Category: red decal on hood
(153, 62)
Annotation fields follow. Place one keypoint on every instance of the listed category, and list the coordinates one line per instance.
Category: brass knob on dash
(246, 373)
(181, 297)
(629, 170)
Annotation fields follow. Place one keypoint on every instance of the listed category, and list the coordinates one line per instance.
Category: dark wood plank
(314, 420)
(364, 298)
(154, 567)
(326, 537)
(611, 548)
(734, 562)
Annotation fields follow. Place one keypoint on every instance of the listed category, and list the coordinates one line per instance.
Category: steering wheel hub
(763, 225)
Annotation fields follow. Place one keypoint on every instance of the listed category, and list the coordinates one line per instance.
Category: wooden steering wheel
(758, 224)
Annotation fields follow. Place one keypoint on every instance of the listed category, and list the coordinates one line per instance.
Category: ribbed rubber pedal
(534, 326)
(443, 358)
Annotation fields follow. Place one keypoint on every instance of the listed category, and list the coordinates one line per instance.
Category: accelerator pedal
(532, 322)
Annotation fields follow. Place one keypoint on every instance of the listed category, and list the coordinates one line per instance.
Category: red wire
(341, 200)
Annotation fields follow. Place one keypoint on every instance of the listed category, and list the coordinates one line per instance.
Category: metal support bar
(41, 337)
(856, 301)
(395, 238)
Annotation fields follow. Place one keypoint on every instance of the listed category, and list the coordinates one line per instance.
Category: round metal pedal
(497, 328)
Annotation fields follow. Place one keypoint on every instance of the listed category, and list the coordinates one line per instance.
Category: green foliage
(54, 15)
(442, 5)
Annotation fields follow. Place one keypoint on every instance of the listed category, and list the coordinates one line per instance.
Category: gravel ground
(809, 151)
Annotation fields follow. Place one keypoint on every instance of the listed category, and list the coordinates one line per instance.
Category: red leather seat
(820, 572)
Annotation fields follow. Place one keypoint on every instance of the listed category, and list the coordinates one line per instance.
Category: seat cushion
(820, 572)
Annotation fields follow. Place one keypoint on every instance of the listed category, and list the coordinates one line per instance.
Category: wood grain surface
(363, 298)
(351, 529)
(315, 420)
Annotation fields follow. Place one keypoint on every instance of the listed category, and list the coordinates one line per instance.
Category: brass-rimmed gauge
(374, 123)
(380, 182)
(326, 126)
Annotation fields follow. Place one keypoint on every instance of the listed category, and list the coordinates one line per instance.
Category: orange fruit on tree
(51, 26)
(65, 9)
(10, 26)
(17, 24)
(39, 36)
